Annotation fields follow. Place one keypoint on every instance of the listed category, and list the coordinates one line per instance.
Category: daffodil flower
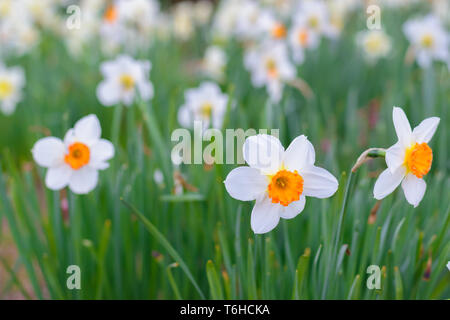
(279, 180)
(409, 160)
(12, 81)
(75, 161)
(124, 79)
(206, 103)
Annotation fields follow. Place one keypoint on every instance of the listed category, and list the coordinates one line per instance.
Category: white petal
(425, 130)
(414, 189)
(58, 177)
(48, 152)
(402, 126)
(395, 156)
(108, 93)
(101, 151)
(245, 183)
(185, 117)
(318, 182)
(263, 152)
(83, 180)
(88, 128)
(387, 182)
(299, 154)
(146, 90)
(293, 209)
(265, 215)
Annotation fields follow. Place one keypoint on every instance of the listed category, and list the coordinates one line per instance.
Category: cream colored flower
(12, 81)
(409, 160)
(429, 40)
(279, 180)
(214, 62)
(206, 103)
(75, 161)
(375, 44)
(124, 78)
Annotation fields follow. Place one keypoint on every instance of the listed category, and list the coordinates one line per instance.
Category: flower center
(78, 156)
(6, 89)
(418, 159)
(110, 14)
(374, 43)
(427, 40)
(127, 81)
(303, 37)
(313, 22)
(285, 187)
(279, 31)
(206, 110)
(271, 67)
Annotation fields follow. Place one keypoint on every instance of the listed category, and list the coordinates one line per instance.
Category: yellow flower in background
(75, 161)
(279, 180)
(409, 160)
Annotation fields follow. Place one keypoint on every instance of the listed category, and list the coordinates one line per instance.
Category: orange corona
(279, 31)
(285, 187)
(78, 156)
(418, 159)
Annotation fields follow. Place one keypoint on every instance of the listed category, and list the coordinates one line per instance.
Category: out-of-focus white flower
(281, 7)
(409, 160)
(225, 19)
(75, 161)
(214, 62)
(279, 180)
(206, 103)
(202, 12)
(269, 66)
(314, 15)
(429, 40)
(12, 80)
(375, 44)
(448, 266)
(158, 177)
(17, 32)
(271, 27)
(248, 25)
(129, 24)
(183, 20)
(124, 78)
(301, 38)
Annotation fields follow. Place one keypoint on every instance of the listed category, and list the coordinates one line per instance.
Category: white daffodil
(12, 80)
(375, 44)
(271, 26)
(124, 78)
(269, 66)
(314, 15)
(300, 38)
(429, 40)
(279, 180)
(248, 18)
(214, 62)
(75, 161)
(205, 103)
(448, 266)
(409, 160)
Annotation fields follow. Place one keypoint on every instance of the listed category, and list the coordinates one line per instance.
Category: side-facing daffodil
(409, 160)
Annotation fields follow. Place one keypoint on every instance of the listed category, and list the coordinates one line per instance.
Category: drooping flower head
(409, 160)
(75, 161)
(12, 81)
(279, 180)
(124, 78)
(206, 103)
